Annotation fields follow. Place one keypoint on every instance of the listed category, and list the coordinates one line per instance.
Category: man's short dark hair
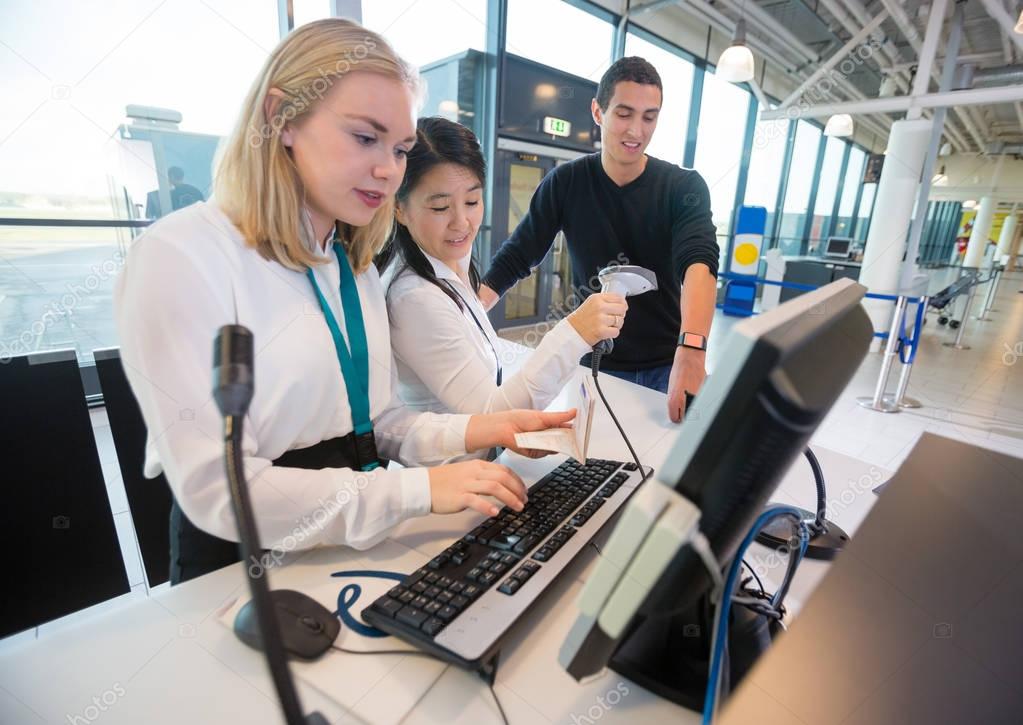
(632, 68)
(176, 174)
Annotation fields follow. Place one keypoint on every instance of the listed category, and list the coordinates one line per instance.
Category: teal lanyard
(354, 365)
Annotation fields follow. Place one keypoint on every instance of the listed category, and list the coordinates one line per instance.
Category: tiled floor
(974, 395)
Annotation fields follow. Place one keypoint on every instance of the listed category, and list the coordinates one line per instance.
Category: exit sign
(557, 126)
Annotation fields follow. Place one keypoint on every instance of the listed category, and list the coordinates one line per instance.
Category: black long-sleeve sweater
(661, 221)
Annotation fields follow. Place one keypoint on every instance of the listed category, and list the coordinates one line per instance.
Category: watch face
(691, 339)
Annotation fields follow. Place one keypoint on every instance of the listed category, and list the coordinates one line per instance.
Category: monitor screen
(838, 247)
(777, 378)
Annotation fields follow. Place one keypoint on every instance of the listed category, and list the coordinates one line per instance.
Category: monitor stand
(669, 655)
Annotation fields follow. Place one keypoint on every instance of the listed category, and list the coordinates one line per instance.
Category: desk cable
(488, 676)
(595, 368)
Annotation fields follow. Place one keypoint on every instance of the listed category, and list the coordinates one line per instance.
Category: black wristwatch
(694, 340)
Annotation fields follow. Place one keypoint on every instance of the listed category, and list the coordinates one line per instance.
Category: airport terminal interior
(864, 161)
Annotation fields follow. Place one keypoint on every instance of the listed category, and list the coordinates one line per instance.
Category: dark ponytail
(438, 141)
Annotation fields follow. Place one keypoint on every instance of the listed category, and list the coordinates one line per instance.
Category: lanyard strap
(355, 364)
(475, 319)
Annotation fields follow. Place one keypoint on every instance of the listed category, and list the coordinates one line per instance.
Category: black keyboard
(465, 599)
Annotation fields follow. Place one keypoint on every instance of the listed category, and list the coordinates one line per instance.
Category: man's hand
(687, 375)
(488, 297)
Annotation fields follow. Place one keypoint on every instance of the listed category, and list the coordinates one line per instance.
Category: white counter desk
(168, 658)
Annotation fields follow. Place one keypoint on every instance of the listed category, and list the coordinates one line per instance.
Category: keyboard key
(459, 602)
(444, 597)
(485, 565)
(419, 602)
(420, 587)
(498, 569)
(509, 559)
(474, 534)
(407, 597)
(432, 607)
(396, 592)
(630, 466)
(411, 616)
(504, 542)
(472, 591)
(409, 581)
(445, 581)
(432, 592)
(387, 606)
(458, 559)
(510, 586)
(456, 587)
(530, 566)
(522, 574)
(620, 478)
(543, 554)
(446, 614)
(495, 556)
(526, 544)
(438, 561)
(432, 625)
(487, 578)
(474, 574)
(579, 519)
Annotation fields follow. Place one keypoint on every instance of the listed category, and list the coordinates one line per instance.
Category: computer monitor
(779, 375)
(838, 247)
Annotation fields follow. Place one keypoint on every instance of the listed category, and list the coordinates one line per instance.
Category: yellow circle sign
(746, 253)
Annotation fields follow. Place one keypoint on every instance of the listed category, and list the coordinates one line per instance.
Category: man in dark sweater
(621, 206)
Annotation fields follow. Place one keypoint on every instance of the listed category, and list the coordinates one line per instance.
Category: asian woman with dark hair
(447, 352)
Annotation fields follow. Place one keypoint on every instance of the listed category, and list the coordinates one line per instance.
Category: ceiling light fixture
(736, 64)
(840, 125)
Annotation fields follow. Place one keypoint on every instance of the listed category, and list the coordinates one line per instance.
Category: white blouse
(447, 363)
(191, 273)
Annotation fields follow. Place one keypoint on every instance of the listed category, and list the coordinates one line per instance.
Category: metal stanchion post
(958, 344)
(900, 398)
(992, 290)
(878, 402)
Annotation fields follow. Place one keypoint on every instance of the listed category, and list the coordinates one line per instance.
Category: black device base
(670, 655)
(308, 629)
(823, 545)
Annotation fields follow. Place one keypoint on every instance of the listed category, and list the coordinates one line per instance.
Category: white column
(1007, 235)
(889, 224)
(981, 229)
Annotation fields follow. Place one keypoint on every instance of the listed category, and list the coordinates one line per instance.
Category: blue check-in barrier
(902, 347)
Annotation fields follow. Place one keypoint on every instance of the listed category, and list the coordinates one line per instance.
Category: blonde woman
(303, 200)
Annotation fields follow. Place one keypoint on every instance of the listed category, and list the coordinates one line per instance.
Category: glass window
(797, 193)
(306, 11)
(422, 32)
(827, 188)
(865, 211)
(765, 165)
(67, 150)
(719, 140)
(853, 177)
(669, 141)
(559, 35)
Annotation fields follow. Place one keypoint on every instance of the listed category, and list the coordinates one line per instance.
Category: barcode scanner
(626, 280)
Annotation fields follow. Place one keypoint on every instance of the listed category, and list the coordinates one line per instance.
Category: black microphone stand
(233, 382)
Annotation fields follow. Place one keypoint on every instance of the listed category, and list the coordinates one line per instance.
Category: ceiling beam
(949, 99)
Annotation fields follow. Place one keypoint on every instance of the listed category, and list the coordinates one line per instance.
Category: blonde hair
(256, 182)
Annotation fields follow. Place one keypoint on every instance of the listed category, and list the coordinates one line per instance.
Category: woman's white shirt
(446, 362)
(184, 278)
